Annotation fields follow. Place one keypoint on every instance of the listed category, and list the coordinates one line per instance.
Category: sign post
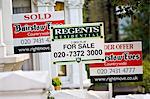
(110, 88)
(123, 63)
(79, 61)
(82, 43)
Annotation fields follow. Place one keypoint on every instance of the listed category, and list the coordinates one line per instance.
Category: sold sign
(37, 16)
(31, 31)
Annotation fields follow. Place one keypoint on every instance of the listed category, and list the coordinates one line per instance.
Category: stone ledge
(12, 62)
(14, 58)
(69, 85)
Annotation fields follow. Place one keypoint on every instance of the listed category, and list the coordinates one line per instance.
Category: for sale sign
(123, 62)
(85, 42)
(31, 31)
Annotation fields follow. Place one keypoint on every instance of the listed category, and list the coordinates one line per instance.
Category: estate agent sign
(31, 31)
(85, 42)
(123, 62)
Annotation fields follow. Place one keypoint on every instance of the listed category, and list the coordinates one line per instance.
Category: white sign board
(31, 31)
(85, 42)
(123, 62)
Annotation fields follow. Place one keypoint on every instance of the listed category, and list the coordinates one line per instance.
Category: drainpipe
(7, 25)
(2, 45)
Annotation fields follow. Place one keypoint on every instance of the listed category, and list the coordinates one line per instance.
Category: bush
(56, 81)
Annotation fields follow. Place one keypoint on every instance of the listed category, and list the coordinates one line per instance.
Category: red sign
(31, 31)
(121, 59)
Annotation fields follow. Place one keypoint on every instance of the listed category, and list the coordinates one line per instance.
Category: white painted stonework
(41, 61)
(6, 38)
(23, 85)
(73, 15)
(79, 94)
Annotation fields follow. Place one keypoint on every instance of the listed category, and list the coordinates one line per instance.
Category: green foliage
(131, 7)
(56, 81)
(52, 98)
(146, 78)
(139, 29)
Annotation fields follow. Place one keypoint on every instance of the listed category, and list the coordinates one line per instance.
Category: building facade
(8, 60)
(68, 73)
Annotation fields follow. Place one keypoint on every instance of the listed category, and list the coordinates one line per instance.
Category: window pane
(62, 71)
(59, 6)
(21, 10)
(21, 6)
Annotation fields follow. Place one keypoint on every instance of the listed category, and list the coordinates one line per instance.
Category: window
(21, 6)
(59, 6)
(62, 70)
